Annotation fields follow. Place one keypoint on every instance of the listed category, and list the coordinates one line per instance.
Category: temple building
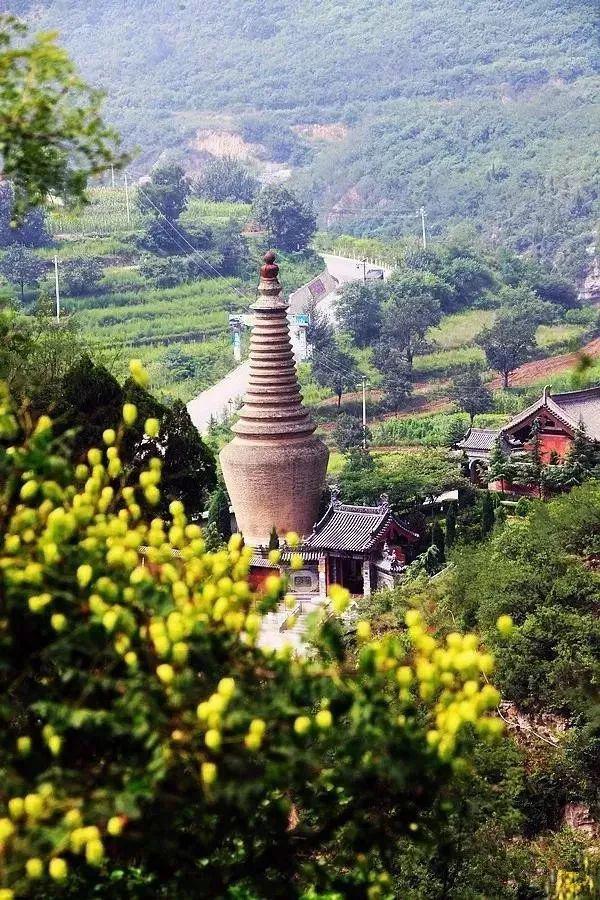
(363, 548)
(274, 470)
(557, 419)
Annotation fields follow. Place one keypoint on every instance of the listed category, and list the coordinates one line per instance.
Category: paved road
(217, 400)
(344, 270)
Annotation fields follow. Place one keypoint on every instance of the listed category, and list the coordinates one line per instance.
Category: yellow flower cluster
(450, 676)
(42, 810)
(195, 594)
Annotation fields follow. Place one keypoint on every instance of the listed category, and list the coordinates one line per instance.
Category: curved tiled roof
(354, 528)
(479, 439)
(573, 408)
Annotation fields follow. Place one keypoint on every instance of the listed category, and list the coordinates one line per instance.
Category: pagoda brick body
(274, 468)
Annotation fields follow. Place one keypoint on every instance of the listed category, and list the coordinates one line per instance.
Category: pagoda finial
(270, 270)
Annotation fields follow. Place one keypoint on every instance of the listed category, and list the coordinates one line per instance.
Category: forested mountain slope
(481, 110)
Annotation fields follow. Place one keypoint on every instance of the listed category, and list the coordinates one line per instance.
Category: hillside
(483, 112)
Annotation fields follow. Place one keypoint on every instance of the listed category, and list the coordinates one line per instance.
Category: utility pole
(364, 265)
(127, 201)
(423, 230)
(112, 176)
(364, 412)
(56, 289)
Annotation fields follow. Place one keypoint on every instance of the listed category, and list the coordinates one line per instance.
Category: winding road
(215, 402)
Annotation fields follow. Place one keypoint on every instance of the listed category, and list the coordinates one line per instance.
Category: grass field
(460, 329)
(128, 315)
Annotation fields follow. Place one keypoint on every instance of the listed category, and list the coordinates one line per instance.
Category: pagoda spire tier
(274, 468)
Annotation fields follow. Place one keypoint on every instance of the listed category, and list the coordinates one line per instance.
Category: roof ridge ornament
(546, 395)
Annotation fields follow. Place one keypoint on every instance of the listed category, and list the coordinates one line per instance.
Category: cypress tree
(437, 540)
(451, 525)
(273, 539)
(487, 513)
(218, 513)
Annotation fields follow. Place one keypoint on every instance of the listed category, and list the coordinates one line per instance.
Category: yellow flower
(302, 725)
(58, 621)
(152, 427)
(212, 739)
(505, 625)
(129, 413)
(109, 436)
(34, 867)
(363, 631)
(114, 826)
(24, 745)
(139, 373)
(253, 741)
(292, 539)
(226, 687)
(7, 829)
(208, 772)
(258, 726)
(324, 719)
(58, 869)
(34, 805)
(296, 562)
(166, 673)
(16, 807)
(94, 852)
(72, 818)
(29, 490)
(412, 617)
(55, 744)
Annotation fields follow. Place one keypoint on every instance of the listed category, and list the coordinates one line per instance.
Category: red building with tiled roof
(557, 419)
(360, 547)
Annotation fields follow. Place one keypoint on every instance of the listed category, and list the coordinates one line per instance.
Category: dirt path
(534, 371)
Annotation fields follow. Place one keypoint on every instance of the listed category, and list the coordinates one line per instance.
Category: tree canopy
(52, 137)
(137, 695)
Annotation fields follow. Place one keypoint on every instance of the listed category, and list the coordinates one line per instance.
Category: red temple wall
(553, 443)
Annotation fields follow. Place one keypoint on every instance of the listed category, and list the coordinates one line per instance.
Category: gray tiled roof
(571, 407)
(353, 528)
(582, 406)
(261, 561)
(479, 439)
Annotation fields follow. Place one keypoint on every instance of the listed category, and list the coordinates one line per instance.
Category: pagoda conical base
(274, 485)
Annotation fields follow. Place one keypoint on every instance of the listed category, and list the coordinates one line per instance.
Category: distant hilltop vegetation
(482, 111)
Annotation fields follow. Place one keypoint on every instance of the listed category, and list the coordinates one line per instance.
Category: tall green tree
(81, 275)
(470, 393)
(359, 311)
(165, 196)
(412, 306)
(290, 223)
(336, 370)
(30, 231)
(218, 513)
(509, 343)
(223, 179)
(21, 267)
(487, 513)
(348, 432)
(52, 137)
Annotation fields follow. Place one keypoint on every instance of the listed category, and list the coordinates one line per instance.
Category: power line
(183, 238)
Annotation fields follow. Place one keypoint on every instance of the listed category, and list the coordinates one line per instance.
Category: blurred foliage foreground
(145, 735)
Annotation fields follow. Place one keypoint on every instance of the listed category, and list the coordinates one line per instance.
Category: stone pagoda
(274, 467)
